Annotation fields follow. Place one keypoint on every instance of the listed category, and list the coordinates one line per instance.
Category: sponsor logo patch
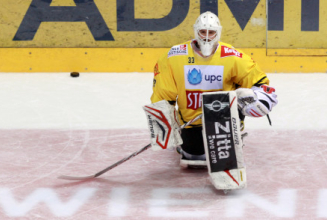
(156, 70)
(224, 139)
(203, 77)
(228, 52)
(178, 50)
(194, 99)
(216, 105)
(194, 77)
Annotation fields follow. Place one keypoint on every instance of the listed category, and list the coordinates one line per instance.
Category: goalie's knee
(193, 141)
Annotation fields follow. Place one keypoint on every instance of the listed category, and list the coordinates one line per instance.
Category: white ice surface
(115, 100)
(58, 101)
(286, 167)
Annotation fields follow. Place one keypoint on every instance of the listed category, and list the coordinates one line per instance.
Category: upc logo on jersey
(203, 77)
(194, 77)
(216, 106)
(178, 50)
(227, 52)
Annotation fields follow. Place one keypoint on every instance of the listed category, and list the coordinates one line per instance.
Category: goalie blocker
(163, 125)
(222, 140)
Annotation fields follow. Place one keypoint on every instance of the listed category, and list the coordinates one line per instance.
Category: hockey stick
(121, 161)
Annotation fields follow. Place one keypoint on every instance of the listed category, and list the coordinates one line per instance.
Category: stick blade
(76, 177)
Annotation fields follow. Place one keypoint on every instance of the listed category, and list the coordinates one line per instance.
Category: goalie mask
(207, 31)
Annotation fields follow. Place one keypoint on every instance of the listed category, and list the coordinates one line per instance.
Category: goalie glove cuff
(255, 109)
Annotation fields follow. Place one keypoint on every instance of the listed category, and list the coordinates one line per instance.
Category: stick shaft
(122, 160)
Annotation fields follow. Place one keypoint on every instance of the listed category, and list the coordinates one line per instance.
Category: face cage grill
(205, 38)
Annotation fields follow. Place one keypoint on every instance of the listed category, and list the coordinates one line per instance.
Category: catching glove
(257, 101)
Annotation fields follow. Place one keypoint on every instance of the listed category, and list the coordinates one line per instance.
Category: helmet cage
(206, 37)
(209, 22)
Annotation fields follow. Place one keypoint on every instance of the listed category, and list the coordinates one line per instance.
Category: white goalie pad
(222, 140)
(163, 125)
(229, 179)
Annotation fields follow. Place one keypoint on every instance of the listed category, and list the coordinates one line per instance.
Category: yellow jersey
(183, 74)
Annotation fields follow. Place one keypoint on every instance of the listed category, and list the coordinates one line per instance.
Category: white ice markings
(322, 204)
(118, 205)
(284, 207)
(48, 196)
(162, 202)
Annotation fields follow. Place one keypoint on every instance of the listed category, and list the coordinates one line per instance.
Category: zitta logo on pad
(203, 77)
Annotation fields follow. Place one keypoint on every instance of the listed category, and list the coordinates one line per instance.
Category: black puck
(74, 74)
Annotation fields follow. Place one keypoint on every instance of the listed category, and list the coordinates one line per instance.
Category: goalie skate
(187, 163)
(222, 140)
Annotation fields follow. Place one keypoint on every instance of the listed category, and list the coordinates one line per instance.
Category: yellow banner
(302, 25)
(147, 23)
(123, 23)
(129, 35)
